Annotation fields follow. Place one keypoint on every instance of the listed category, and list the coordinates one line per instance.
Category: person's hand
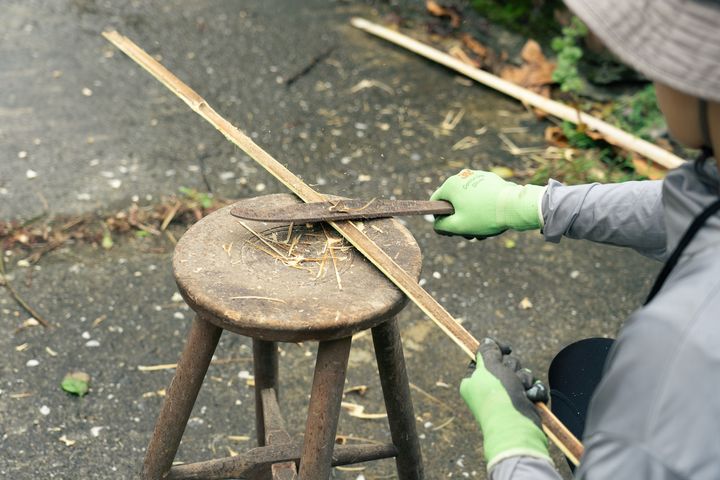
(486, 205)
(500, 395)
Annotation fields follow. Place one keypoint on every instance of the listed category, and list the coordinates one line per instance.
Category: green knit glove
(486, 205)
(500, 395)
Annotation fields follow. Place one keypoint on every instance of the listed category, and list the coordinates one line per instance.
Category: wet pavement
(84, 129)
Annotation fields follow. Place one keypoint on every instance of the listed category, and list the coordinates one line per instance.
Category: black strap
(704, 123)
(696, 225)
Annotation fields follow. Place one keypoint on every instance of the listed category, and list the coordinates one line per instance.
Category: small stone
(176, 297)
(436, 275)
(225, 176)
(83, 196)
(364, 178)
(95, 431)
(574, 274)
(32, 363)
(31, 174)
(87, 92)
(525, 304)
(179, 315)
(45, 410)
(115, 183)
(85, 335)
(260, 187)
(22, 154)
(23, 263)
(92, 343)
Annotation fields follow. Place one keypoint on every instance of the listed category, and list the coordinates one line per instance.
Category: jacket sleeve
(626, 214)
(524, 468)
(615, 458)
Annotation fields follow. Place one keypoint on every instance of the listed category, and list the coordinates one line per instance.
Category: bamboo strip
(612, 134)
(347, 229)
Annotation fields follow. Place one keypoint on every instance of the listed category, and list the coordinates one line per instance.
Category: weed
(568, 50)
(205, 200)
(530, 17)
(639, 114)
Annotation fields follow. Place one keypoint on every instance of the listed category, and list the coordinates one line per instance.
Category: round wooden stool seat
(273, 282)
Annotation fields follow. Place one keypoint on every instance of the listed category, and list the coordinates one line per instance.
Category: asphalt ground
(83, 129)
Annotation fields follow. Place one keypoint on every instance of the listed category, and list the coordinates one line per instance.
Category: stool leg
(324, 409)
(181, 396)
(265, 368)
(398, 403)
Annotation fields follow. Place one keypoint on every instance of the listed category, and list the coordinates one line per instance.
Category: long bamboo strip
(612, 134)
(563, 438)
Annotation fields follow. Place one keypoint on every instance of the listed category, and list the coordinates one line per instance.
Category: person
(655, 413)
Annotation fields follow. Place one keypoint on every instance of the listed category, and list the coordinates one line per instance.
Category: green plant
(588, 160)
(205, 200)
(569, 52)
(639, 113)
(576, 137)
(531, 17)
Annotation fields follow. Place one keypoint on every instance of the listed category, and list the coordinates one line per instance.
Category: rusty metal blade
(343, 210)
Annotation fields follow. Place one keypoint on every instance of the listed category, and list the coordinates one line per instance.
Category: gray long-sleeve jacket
(656, 413)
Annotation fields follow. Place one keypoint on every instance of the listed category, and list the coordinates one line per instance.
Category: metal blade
(342, 210)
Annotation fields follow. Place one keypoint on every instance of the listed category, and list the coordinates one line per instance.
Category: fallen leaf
(438, 10)
(77, 383)
(503, 172)
(525, 304)
(460, 54)
(476, 47)
(510, 243)
(554, 136)
(647, 168)
(536, 72)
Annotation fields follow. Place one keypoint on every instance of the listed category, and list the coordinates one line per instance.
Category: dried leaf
(535, 74)
(503, 172)
(438, 10)
(647, 168)
(460, 54)
(476, 47)
(554, 136)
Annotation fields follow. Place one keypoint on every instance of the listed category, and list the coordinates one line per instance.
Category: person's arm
(626, 214)
(524, 468)
(499, 393)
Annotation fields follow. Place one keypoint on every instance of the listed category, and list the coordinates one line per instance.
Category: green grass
(534, 18)
(639, 113)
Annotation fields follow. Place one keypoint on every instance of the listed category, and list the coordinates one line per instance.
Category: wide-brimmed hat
(674, 42)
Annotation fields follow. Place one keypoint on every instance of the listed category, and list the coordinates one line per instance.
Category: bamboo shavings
(311, 248)
(358, 411)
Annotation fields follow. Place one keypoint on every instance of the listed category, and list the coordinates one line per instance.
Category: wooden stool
(275, 283)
